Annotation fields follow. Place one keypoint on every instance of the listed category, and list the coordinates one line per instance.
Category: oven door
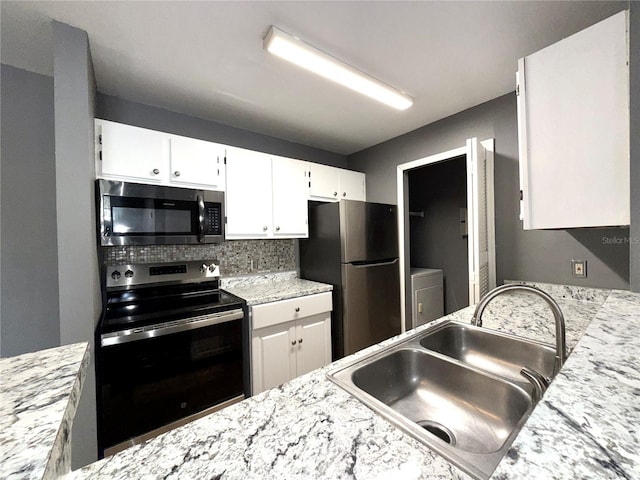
(151, 380)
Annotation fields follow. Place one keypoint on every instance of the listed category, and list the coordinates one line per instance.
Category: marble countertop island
(586, 425)
(39, 393)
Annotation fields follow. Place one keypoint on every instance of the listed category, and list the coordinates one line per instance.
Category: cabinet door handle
(335, 194)
(419, 307)
(277, 229)
(293, 343)
(156, 171)
(176, 173)
(300, 341)
(344, 194)
(264, 229)
(297, 309)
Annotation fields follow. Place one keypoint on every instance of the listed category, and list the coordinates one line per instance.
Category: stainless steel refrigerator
(354, 246)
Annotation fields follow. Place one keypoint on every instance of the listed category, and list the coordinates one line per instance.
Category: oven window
(149, 383)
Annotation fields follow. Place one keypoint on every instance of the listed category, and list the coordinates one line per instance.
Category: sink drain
(439, 430)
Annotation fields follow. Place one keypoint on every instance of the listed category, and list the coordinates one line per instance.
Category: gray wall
(80, 300)
(440, 190)
(124, 111)
(542, 256)
(29, 280)
(634, 65)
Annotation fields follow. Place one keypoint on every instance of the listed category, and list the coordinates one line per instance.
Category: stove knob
(128, 273)
(212, 267)
(203, 268)
(116, 275)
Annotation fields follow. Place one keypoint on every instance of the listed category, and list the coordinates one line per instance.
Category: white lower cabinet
(289, 338)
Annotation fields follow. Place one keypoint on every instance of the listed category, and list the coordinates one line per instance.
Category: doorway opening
(446, 230)
(438, 238)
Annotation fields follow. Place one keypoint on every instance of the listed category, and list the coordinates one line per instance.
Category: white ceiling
(206, 59)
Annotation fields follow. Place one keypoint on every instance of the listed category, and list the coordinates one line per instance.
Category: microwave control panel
(212, 219)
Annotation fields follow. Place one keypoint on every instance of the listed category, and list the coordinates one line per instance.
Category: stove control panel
(119, 276)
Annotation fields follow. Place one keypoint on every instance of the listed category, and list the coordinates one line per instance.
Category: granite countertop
(586, 425)
(39, 393)
(257, 289)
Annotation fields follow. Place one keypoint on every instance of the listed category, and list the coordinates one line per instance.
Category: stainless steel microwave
(139, 214)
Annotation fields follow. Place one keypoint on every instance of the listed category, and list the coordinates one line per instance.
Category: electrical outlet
(579, 268)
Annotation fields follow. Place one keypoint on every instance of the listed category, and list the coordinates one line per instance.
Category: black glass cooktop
(152, 305)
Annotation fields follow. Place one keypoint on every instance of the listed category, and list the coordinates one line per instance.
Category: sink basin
(500, 354)
(458, 405)
(454, 387)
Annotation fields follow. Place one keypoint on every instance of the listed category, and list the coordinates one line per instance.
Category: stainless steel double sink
(457, 388)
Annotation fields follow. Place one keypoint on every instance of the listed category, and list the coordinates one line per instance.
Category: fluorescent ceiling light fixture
(310, 58)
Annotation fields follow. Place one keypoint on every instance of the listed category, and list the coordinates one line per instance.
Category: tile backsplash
(236, 257)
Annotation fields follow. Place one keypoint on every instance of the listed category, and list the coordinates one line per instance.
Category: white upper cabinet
(290, 195)
(197, 163)
(573, 125)
(325, 182)
(137, 154)
(352, 185)
(248, 199)
(333, 184)
(130, 152)
(266, 196)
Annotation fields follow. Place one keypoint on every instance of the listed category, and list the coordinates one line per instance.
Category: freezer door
(368, 231)
(371, 304)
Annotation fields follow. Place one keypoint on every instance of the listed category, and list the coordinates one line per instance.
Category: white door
(325, 182)
(352, 185)
(196, 163)
(132, 152)
(273, 356)
(314, 342)
(480, 219)
(290, 197)
(248, 198)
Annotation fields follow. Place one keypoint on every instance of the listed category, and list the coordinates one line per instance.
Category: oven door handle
(158, 330)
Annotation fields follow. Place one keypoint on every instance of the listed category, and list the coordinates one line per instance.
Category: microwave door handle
(201, 217)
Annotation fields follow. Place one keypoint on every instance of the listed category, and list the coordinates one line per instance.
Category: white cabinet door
(132, 153)
(289, 338)
(314, 342)
(196, 163)
(573, 130)
(248, 198)
(325, 182)
(290, 196)
(273, 356)
(352, 185)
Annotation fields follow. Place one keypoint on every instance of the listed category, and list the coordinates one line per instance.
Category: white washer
(427, 295)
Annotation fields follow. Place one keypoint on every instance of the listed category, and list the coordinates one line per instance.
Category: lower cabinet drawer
(273, 313)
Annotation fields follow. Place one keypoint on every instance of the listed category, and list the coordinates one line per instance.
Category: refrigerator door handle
(377, 264)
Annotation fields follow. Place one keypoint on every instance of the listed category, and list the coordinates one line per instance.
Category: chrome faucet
(561, 345)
